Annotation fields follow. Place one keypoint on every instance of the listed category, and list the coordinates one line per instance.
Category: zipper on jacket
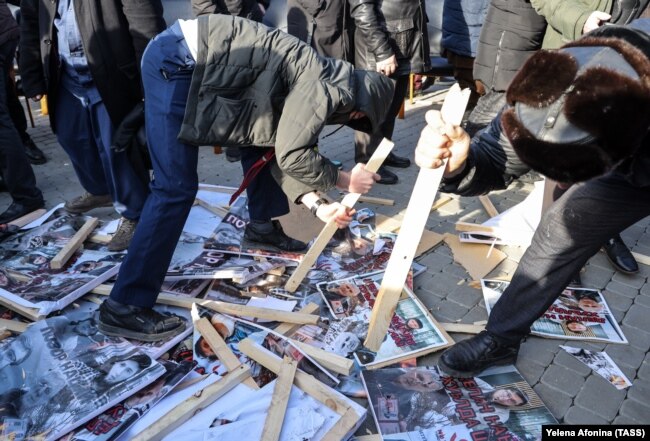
(496, 60)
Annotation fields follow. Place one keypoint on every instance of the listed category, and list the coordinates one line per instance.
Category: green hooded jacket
(253, 86)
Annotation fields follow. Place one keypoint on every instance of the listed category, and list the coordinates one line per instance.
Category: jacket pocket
(402, 32)
(222, 118)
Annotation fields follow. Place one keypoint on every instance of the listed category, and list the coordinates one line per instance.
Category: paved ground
(572, 392)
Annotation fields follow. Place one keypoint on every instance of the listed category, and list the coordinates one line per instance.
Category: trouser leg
(570, 233)
(166, 72)
(266, 200)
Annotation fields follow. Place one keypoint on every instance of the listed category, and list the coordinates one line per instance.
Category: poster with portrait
(61, 373)
(115, 421)
(602, 364)
(423, 404)
(188, 288)
(413, 332)
(577, 314)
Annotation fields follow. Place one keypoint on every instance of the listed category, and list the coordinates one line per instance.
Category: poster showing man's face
(508, 397)
(15, 352)
(40, 390)
(419, 380)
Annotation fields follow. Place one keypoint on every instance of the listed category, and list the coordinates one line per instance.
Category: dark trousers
(17, 111)
(572, 231)
(84, 130)
(365, 144)
(266, 199)
(14, 165)
(167, 67)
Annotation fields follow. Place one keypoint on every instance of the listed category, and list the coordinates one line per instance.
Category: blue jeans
(167, 67)
(570, 232)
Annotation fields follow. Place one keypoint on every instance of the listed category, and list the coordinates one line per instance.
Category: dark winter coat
(114, 35)
(512, 32)
(322, 24)
(461, 25)
(492, 163)
(391, 27)
(255, 87)
(8, 27)
(249, 9)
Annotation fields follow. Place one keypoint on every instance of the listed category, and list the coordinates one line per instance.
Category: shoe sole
(616, 267)
(114, 331)
(468, 374)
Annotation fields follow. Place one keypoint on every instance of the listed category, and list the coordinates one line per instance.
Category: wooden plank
(488, 206)
(641, 258)
(417, 213)
(28, 218)
(13, 325)
(279, 400)
(369, 438)
(220, 348)
(30, 313)
(462, 328)
(102, 290)
(328, 360)
(229, 308)
(100, 238)
(308, 384)
(330, 228)
(191, 406)
(374, 200)
(440, 202)
(342, 427)
(73, 244)
(290, 328)
(4, 333)
(214, 209)
(476, 228)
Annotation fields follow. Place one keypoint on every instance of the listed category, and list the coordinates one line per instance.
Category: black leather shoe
(397, 161)
(619, 254)
(576, 281)
(144, 324)
(275, 237)
(470, 357)
(387, 177)
(17, 210)
(34, 154)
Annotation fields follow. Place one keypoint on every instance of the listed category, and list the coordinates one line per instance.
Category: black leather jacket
(391, 27)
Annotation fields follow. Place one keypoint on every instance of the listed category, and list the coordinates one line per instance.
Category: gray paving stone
(600, 397)
(435, 261)
(446, 311)
(625, 355)
(635, 281)
(637, 317)
(557, 403)
(639, 412)
(644, 370)
(563, 380)
(530, 370)
(580, 415)
(642, 300)
(637, 338)
(620, 288)
(617, 301)
(478, 313)
(568, 361)
(465, 296)
(640, 391)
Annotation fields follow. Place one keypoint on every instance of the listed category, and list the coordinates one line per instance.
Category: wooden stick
(229, 308)
(28, 218)
(73, 244)
(343, 427)
(13, 325)
(290, 328)
(330, 228)
(191, 406)
(4, 333)
(328, 360)
(374, 200)
(308, 384)
(30, 313)
(215, 209)
(641, 258)
(100, 238)
(470, 227)
(440, 202)
(279, 400)
(220, 348)
(462, 328)
(488, 206)
(417, 213)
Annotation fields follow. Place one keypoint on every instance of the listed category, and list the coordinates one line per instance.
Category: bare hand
(439, 141)
(387, 66)
(37, 98)
(337, 212)
(361, 181)
(595, 20)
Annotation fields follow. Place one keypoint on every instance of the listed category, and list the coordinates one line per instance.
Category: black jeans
(14, 165)
(572, 231)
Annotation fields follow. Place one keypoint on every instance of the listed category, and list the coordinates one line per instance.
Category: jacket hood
(373, 94)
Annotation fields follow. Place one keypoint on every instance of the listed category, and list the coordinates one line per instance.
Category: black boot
(17, 209)
(387, 176)
(392, 160)
(34, 154)
(271, 233)
(128, 321)
(620, 256)
(470, 357)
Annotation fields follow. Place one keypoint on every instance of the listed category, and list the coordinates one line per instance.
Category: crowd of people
(578, 115)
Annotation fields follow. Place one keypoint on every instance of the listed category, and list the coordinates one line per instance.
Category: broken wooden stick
(28, 218)
(279, 400)
(329, 360)
(440, 202)
(191, 406)
(415, 218)
(73, 244)
(13, 325)
(214, 209)
(220, 348)
(462, 328)
(374, 200)
(488, 206)
(330, 228)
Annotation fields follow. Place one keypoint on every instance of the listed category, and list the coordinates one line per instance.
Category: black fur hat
(578, 111)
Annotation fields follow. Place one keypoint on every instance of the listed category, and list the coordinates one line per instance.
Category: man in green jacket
(223, 80)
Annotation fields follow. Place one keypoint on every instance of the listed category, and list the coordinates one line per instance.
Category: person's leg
(15, 168)
(266, 201)
(569, 234)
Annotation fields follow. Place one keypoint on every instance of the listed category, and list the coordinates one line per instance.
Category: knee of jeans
(178, 191)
